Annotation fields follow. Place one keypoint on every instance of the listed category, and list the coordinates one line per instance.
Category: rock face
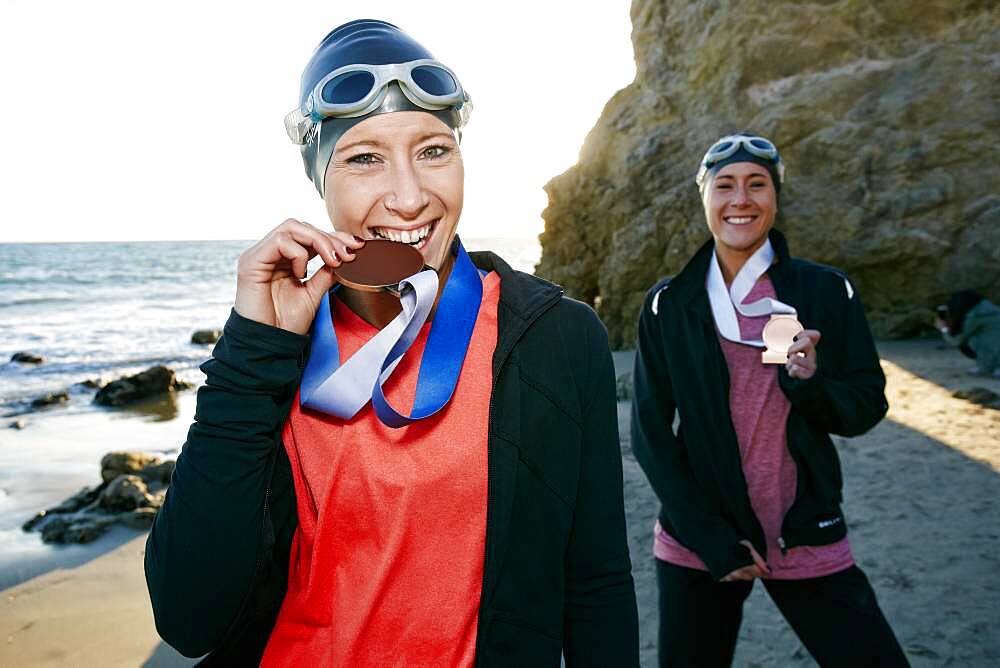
(151, 382)
(886, 117)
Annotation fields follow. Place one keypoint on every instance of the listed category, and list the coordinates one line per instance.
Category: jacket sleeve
(205, 543)
(661, 454)
(846, 395)
(601, 619)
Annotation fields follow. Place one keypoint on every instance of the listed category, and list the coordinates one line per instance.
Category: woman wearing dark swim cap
(312, 520)
(750, 481)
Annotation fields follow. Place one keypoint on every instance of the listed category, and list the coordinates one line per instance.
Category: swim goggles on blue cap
(727, 146)
(358, 89)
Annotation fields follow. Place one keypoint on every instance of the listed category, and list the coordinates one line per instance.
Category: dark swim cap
(368, 42)
(743, 155)
(741, 147)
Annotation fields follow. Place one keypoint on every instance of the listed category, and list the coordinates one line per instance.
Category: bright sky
(130, 120)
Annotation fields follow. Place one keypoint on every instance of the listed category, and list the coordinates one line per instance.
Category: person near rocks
(312, 521)
(972, 323)
(747, 475)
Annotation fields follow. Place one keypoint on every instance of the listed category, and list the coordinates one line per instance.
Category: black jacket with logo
(696, 472)
(557, 576)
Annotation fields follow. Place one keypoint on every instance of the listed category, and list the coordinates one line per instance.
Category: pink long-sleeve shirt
(759, 411)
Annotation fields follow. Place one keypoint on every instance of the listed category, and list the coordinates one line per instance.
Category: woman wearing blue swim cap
(412, 457)
(730, 352)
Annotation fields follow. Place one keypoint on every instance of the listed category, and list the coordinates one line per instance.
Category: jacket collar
(523, 297)
(524, 294)
(690, 282)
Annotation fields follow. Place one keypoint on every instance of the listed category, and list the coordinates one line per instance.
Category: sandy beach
(921, 498)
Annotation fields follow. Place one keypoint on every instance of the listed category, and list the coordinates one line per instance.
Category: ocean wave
(36, 301)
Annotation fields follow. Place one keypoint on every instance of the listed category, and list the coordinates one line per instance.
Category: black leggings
(836, 617)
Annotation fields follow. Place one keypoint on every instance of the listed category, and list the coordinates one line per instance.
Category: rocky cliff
(885, 112)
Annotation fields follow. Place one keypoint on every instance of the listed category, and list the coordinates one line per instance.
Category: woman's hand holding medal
(269, 277)
(801, 363)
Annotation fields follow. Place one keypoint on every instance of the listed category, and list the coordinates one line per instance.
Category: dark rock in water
(140, 518)
(82, 499)
(50, 399)
(94, 383)
(152, 381)
(624, 386)
(76, 529)
(886, 116)
(133, 489)
(115, 464)
(79, 501)
(27, 358)
(19, 423)
(125, 493)
(34, 521)
(206, 336)
(158, 473)
(979, 395)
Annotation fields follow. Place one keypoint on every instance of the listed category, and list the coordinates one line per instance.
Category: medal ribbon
(725, 303)
(343, 390)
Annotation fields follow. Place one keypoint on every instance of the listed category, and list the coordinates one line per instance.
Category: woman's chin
(745, 241)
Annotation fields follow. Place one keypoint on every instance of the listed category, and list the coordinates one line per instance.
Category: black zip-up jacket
(557, 575)
(696, 472)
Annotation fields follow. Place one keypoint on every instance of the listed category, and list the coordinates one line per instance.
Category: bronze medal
(380, 265)
(779, 334)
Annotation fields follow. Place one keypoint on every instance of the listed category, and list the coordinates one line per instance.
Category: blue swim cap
(361, 42)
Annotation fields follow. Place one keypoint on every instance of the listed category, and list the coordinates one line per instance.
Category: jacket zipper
(781, 544)
(490, 473)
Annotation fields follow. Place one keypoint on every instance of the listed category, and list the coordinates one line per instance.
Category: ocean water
(108, 309)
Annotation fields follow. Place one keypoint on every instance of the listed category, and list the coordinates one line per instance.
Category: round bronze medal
(380, 265)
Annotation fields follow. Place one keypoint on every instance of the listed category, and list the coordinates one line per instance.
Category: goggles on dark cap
(358, 89)
(728, 146)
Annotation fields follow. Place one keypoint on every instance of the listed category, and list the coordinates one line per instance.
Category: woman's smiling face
(398, 176)
(740, 206)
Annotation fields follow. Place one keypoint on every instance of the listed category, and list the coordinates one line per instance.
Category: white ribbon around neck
(725, 302)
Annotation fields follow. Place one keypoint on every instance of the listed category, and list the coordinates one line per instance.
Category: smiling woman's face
(398, 176)
(740, 206)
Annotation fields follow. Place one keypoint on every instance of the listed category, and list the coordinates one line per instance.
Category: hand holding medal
(269, 275)
(801, 363)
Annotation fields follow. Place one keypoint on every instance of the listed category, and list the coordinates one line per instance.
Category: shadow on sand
(165, 656)
(45, 558)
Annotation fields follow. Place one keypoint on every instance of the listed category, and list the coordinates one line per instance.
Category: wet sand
(922, 499)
